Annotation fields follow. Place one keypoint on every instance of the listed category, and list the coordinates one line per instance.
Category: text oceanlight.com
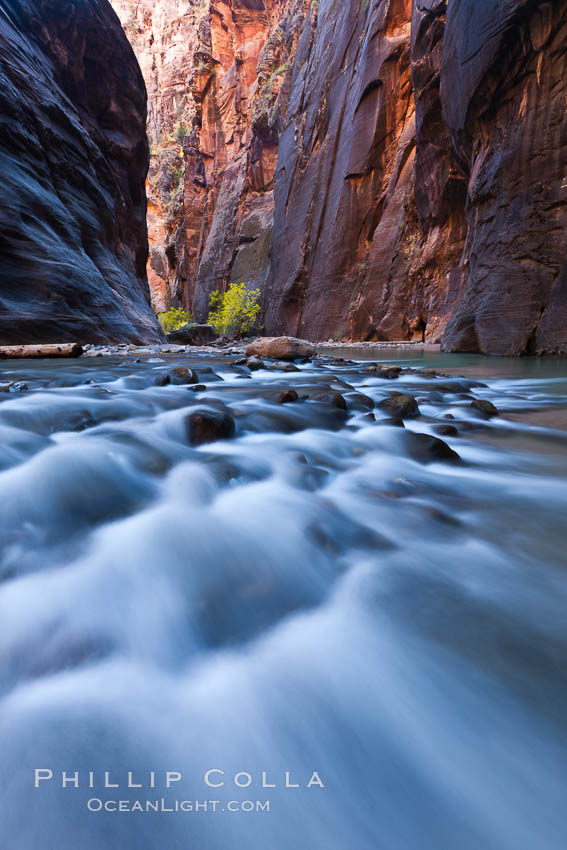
(95, 804)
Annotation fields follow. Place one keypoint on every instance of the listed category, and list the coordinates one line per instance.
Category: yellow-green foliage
(174, 319)
(236, 312)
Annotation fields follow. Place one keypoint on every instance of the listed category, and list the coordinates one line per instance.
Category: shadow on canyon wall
(380, 170)
(73, 159)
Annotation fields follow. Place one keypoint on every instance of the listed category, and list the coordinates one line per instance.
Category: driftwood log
(67, 349)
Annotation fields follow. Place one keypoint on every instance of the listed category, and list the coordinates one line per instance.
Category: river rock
(206, 426)
(193, 335)
(163, 380)
(358, 400)
(288, 396)
(389, 372)
(280, 348)
(183, 375)
(283, 367)
(335, 399)
(254, 363)
(485, 407)
(394, 421)
(447, 430)
(401, 405)
(427, 449)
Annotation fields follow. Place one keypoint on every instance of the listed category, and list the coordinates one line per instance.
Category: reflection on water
(305, 597)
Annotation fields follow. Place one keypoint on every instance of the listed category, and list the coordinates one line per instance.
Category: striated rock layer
(214, 72)
(73, 157)
(344, 222)
(420, 189)
(386, 169)
(420, 183)
(504, 91)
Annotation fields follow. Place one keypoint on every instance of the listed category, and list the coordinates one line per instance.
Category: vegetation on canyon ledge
(236, 312)
(173, 319)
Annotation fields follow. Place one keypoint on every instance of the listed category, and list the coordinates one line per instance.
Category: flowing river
(324, 599)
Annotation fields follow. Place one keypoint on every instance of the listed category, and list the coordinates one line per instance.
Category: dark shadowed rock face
(73, 158)
(504, 89)
(420, 189)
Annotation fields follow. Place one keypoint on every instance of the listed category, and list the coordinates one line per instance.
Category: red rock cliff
(73, 156)
(214, 72)
(420, 189)
(386, 169)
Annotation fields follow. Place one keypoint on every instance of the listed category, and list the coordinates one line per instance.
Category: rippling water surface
(305, 597)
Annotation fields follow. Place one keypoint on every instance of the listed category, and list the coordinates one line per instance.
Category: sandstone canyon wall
(73, 157)
(344, 223)
(504, 95)
(420, 188)
(380, 169)
(214, 71)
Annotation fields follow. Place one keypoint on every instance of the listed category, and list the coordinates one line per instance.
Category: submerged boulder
(254, 363)
(288, 396)
(389, 372)
(333, 398)
(206, 426)
(401, 405)
(427, 449)
(486, 408)
(183, 375)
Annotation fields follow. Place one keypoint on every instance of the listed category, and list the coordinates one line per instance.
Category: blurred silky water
(322, 593)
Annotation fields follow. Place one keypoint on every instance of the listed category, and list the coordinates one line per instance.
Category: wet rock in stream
(401, 405)
(427, 449)
(206, 426)
(288, 396)
(254, 363)
(182, 375)
(359, 401)
(447, 430)
(333, 398)
(485, 407)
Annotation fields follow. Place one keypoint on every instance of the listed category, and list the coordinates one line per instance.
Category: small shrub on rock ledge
(173, 319)
(235, 313)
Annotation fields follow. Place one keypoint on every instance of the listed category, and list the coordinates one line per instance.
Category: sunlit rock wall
(214, 72)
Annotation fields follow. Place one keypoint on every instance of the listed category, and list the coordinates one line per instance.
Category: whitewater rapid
(305, 597)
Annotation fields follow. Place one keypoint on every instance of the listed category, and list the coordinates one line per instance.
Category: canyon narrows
(381, 170)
